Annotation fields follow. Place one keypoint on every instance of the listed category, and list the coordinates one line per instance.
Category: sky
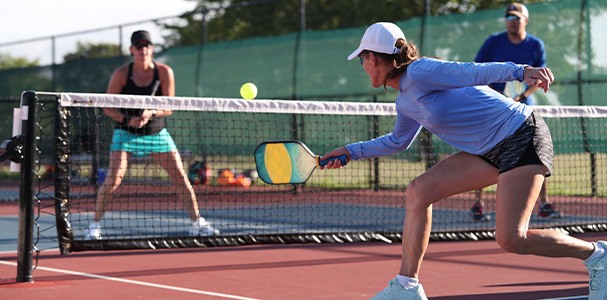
(32, 19)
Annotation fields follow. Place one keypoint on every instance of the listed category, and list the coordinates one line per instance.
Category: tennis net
(216, 139)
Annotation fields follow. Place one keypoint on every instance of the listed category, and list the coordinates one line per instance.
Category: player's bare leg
(478, 197)
(546, 209)
(517, 192)
(117, 169)
(171, 162)
(477, 211)
(455, 174)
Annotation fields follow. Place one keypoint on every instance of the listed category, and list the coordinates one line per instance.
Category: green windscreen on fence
(313, 64)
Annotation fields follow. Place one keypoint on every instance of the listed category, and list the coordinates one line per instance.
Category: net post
(25, 246)
(62, 181)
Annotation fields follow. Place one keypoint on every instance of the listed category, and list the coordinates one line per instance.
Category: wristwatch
(522, 97)
(154, 112)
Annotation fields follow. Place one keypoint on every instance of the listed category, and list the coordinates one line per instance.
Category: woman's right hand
(137, 122)
(142, 120)
(335, 163)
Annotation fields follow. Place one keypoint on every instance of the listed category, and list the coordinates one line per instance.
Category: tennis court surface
(451, 270)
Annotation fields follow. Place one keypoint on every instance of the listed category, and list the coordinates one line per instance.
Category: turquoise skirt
(140, 145)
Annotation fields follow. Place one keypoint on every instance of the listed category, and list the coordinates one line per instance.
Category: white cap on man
(380, 37)
(517, 9)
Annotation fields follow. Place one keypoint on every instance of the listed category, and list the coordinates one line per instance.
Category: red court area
(451, 270)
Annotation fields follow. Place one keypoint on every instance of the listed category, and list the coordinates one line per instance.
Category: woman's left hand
(540, 77)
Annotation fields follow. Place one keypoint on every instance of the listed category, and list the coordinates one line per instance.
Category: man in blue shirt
(520, 47)
(515, 45)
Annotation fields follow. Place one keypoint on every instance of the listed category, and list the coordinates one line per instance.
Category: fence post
(580, 95)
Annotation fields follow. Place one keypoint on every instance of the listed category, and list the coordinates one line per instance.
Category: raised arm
(433, 74)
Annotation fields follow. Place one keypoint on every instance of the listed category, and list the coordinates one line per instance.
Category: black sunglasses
(361, 58)
(513, 18)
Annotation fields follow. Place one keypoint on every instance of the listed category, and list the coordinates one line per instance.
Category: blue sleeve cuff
(519, 74)
(355, 151)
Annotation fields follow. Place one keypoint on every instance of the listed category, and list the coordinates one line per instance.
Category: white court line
(135, 282)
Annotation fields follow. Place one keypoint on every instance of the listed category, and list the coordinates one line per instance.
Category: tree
(90, 51)
(11, 62)
(220, 20)
(88, 69)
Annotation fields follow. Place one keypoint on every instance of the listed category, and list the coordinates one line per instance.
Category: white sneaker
(201, 227)
(598, 277)
(94, 231)
(395, 291)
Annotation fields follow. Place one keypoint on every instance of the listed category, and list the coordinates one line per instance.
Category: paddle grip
(343, 158)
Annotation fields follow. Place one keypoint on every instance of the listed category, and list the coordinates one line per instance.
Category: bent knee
(419, 193)
(513, 243)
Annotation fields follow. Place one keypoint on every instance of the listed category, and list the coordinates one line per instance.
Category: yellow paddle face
(284, 162)
(278, 163)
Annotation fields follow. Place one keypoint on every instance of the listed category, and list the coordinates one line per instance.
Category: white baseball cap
(379, 37)
(517, 9)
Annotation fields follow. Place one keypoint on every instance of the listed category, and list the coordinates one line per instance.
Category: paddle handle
(343, 158)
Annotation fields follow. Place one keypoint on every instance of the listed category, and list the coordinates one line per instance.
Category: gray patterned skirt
(531, 144)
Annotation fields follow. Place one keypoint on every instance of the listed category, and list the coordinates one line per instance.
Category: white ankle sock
(599, 251)
(200, 221)
(407, 282)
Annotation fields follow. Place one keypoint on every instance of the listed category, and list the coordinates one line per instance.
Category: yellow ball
(248, 91)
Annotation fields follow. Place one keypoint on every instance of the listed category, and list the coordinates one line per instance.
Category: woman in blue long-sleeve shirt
(501, 141)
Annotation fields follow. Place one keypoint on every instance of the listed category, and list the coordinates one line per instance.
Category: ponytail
(408, 54)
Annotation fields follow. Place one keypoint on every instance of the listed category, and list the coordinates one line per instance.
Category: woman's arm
(167, 80)
(117, 82)
(433, 75)
(405, 131)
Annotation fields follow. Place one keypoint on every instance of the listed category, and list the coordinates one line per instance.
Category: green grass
(6, 174)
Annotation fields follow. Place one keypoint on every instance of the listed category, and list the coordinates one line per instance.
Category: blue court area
(6, 195)
(260, 220)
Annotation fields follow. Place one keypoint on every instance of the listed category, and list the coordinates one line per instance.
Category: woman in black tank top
(143, 132)
(154, 125)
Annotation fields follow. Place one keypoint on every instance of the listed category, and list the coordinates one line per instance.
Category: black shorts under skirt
(531, 144)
